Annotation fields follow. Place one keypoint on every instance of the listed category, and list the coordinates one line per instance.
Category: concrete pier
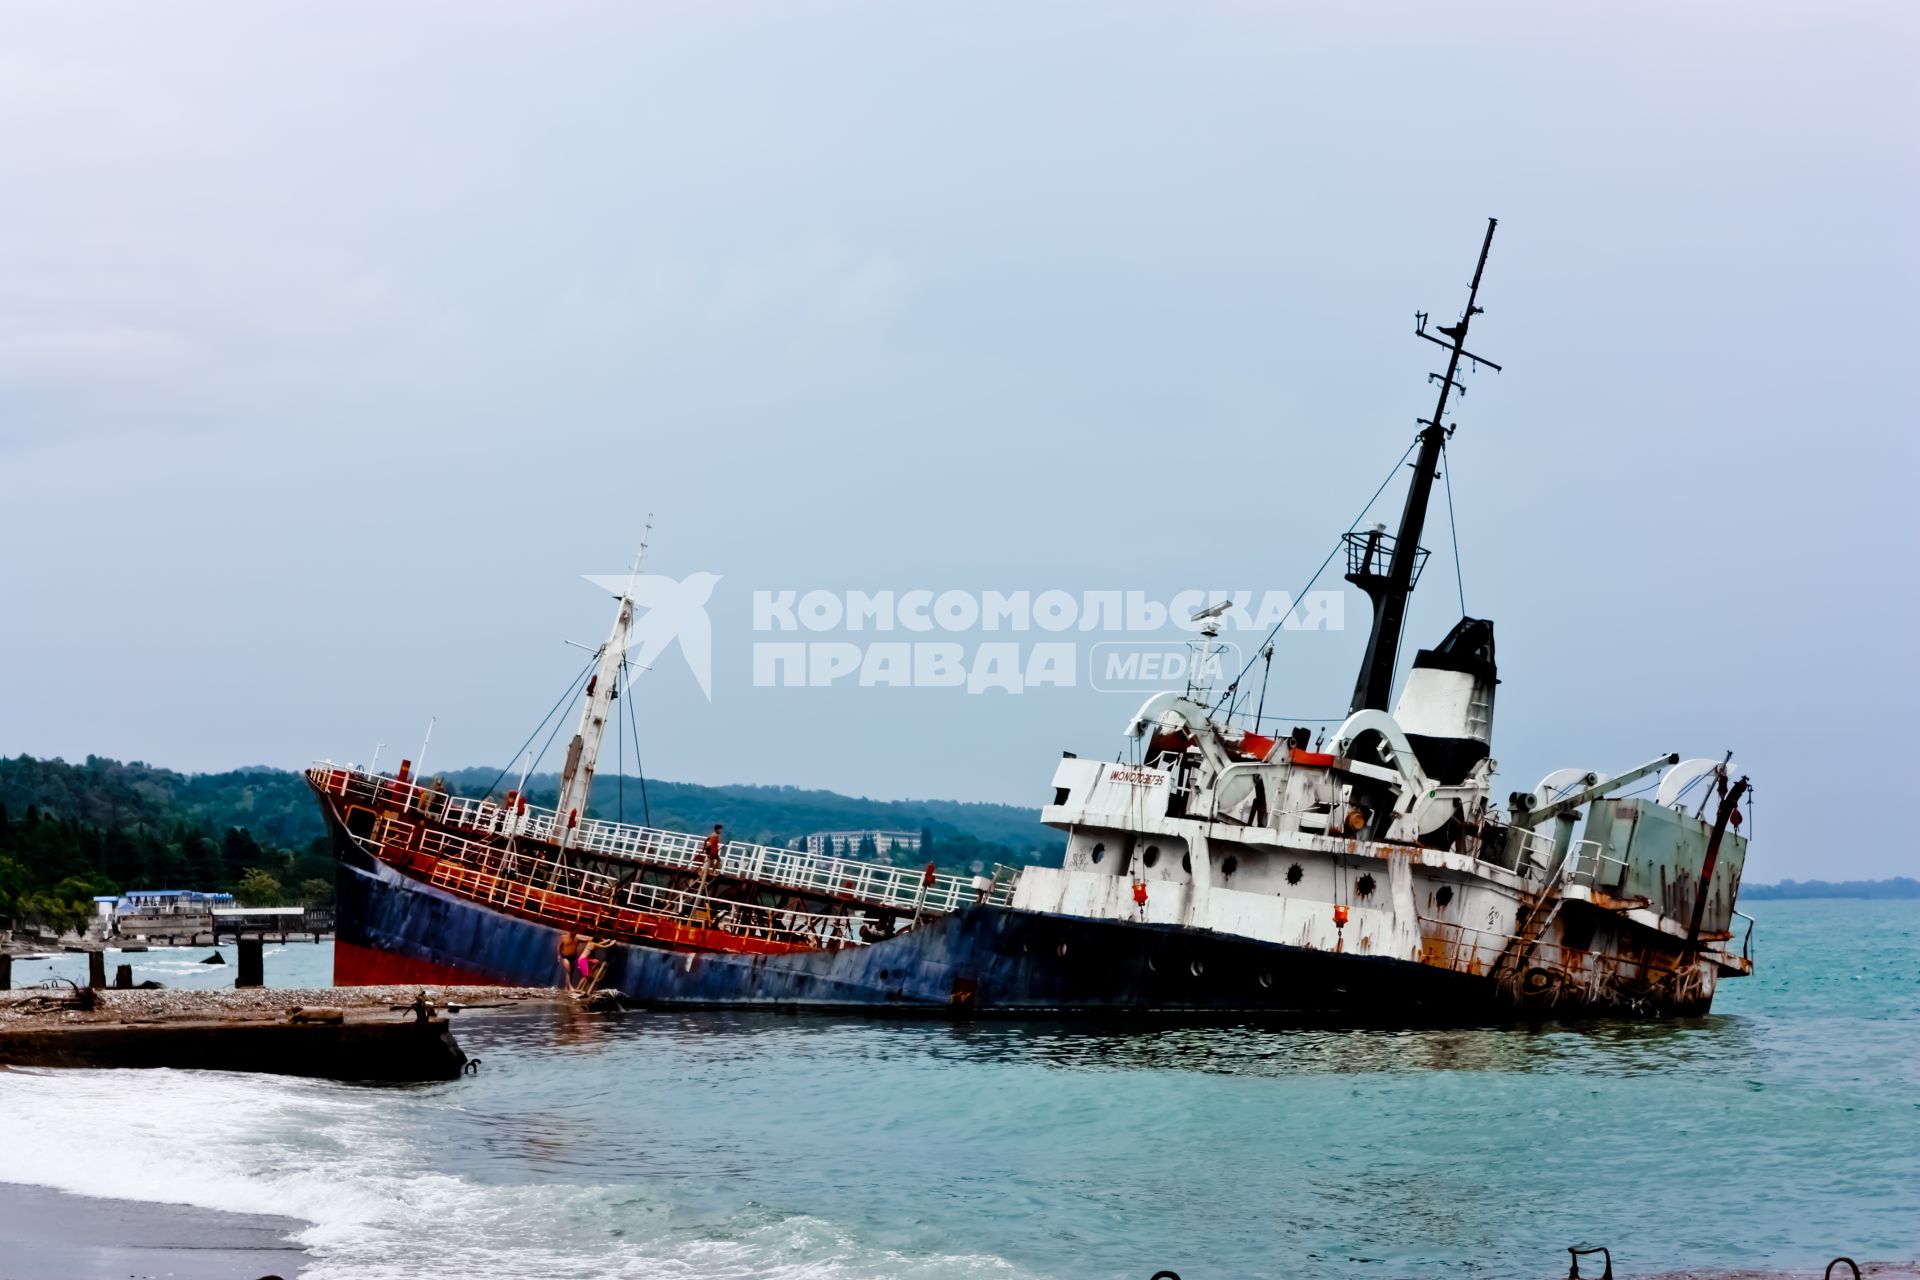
(377, 1034)
(363, 1049)
(340, 1035)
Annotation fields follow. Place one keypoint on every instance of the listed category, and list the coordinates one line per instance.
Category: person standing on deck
(709, 865)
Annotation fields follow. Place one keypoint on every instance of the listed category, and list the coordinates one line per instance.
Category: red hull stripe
(357, 966)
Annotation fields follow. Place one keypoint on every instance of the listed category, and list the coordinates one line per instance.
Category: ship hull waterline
(980, 961)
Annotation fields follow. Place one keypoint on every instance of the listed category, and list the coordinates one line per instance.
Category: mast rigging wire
(1453, 531)
(564, 699)
(1342, 541)
(620, 746)
(547, 746)
(639, 765)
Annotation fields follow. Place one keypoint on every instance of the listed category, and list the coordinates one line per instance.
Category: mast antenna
(1387, 567)
(1456, 335)
(420, 761)
(640, 556)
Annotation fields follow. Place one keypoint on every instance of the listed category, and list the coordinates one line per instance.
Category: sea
(1774, 1134)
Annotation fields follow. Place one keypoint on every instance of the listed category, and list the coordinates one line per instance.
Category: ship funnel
(1446, 708)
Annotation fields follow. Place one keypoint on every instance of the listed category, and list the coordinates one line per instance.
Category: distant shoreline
(1898, 887)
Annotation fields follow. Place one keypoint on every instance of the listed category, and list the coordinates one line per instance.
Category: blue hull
(983, 960)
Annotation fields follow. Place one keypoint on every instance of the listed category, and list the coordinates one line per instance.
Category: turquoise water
(1780, 1131)
(285, 964)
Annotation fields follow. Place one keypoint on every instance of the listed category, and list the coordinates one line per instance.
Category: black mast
(1386, 567)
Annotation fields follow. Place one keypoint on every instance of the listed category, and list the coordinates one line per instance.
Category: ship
(1214, 865)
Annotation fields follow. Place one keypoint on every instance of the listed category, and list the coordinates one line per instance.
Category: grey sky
(337, 342)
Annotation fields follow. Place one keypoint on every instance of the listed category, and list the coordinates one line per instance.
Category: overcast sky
(337, 342)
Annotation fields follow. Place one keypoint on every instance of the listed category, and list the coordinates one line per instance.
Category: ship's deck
(870, 885)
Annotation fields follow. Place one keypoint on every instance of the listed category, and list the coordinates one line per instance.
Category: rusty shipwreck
(1210, 867)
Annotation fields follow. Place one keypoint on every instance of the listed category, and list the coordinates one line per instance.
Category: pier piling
(123, 978)
(252, 965)
(6, 973)
(97, 970)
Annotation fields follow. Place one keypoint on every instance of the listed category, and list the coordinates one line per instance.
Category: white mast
(583, 753)
(1202, 652)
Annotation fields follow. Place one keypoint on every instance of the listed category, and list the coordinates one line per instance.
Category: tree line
(69, 832)
(1897, 887)
(53, 866)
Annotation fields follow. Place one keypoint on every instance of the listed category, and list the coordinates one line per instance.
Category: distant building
(160, 913)
(847, 843)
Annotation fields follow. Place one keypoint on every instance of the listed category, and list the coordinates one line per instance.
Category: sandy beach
(50, 1235)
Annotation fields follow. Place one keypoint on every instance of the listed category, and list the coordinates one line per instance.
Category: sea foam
(332, 1156)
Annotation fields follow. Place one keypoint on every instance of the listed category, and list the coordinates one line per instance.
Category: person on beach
(569, 954)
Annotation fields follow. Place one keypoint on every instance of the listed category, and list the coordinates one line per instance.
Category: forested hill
(69, 831)
(961, 832)
(275, 805)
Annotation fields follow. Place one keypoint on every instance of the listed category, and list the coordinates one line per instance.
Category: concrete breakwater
(369, 1033)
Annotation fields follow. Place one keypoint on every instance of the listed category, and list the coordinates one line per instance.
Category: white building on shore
(828, 843)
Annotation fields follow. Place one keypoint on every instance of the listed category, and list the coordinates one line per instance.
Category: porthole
(1364, 886)
(1186, 863)
(1153, 966)
(1099, 852)
(1151, 856)
(1265, 979)
(1444, 894)
(1294, 873)
(1231, 865)
(1196, 968)
(1061, 950)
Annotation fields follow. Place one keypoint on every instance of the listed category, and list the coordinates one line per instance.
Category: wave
(354, 1164)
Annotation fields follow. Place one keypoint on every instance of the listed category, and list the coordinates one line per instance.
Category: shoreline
(47, 1234)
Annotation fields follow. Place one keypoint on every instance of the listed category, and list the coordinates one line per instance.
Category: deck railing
(546, 890)
(907, 889)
